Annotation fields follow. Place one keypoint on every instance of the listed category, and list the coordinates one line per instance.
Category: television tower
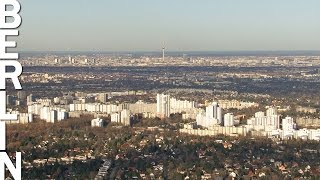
(163, 53)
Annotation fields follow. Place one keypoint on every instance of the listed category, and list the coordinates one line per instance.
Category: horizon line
(160, 50)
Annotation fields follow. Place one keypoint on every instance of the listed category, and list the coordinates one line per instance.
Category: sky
(179, 25)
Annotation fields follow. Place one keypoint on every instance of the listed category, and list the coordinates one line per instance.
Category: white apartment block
(211, 116)
(123, 117)
(163, 105)
(97, 122)
(262, 122)
(22, 118)
(228, 120)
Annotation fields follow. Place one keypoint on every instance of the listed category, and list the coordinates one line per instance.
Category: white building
(163, 105)
(214, 113)
(125, 117)
(179, 106)
(201, 119)
(301, 134)
(97, 107)
(192, 113)
(35, 108)
(56, 100)
(22, 118)
(262, 122)
(228, 120)
(115, 117)
(211, 117)
(314, 134)
(311, 134)
(62, 115)
(288, 127)
(53, 114)
(142, 107)
(97, 122)
(44, 102)
(272, 111)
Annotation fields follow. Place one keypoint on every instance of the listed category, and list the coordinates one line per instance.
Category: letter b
(14, 13)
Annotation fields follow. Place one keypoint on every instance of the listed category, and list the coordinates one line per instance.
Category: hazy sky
(139, 25)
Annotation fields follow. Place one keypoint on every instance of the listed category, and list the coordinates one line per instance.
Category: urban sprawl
(179, 116)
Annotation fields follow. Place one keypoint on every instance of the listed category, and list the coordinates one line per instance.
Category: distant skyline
(180, 25)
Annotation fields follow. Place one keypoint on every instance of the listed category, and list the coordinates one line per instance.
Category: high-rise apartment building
(211, 117)
(228, 120)
(163, 105)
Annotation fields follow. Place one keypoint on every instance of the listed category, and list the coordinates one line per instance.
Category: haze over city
(179, 25)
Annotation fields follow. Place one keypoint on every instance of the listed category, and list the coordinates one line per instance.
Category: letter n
(15, 171)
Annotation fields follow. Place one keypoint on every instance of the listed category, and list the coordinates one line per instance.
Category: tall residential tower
(163, 105)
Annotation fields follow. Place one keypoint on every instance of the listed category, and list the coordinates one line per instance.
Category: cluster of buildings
(306, 109)
(50, 114)
(265, 121)
(210, 120)
(269, 123)
(75, 105)
(19, 99)
(306, 121)
(289, 131)
(235, 104)
(22, 118)
(61, 108)
(73, 60)
(124, 117)
(272, 125)
(211, 116)
(167, 105)
(154, 60)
